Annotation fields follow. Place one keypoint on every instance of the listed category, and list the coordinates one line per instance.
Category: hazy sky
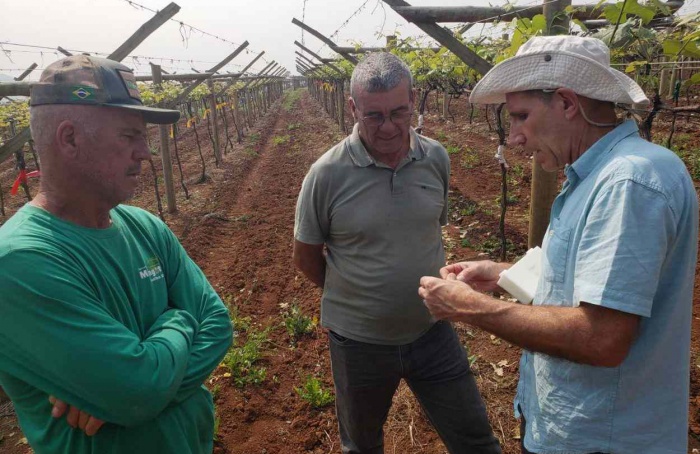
(102, 25)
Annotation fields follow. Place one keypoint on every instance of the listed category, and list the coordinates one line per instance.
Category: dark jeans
(522, 437)
(436, 369)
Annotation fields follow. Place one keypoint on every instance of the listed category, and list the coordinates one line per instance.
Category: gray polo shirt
(382, 230)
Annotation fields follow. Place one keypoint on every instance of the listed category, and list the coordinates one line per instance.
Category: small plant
(469, 159)
(280, 140)
(240, 359)
(492, 245)
(517, 170)
(441, 136)
(466, 243)
(472, 359)
(215, 391)
(469, 210)
(453, 149)
(217, 423)
(297, 323)
(314, 394)
(293, 126)
(239, 322)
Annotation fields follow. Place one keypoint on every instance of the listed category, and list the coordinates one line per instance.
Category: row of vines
(664, 60)
(236, 108)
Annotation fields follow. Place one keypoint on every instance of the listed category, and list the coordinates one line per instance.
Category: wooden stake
(544, 184)
(165, 151)
(213, 118)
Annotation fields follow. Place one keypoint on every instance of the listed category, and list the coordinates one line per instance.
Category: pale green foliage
(19, 112)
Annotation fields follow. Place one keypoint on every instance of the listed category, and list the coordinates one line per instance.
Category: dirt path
(238, 226)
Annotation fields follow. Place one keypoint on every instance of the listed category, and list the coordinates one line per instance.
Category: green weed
(492, 245)
(313, 393)
(280, 140)
(469, 159)
(241, 359)
(453, 149)
(297, 323)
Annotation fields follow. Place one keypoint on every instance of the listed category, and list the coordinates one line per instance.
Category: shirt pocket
(556, 252)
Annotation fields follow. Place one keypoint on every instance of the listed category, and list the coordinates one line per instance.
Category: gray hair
(379, 72)
(45, 119)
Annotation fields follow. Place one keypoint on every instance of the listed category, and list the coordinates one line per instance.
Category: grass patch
(313, 393)
(291, 99)
(293, 126)
(441, 136)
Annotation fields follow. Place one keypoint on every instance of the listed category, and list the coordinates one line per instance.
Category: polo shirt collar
(361, 157)
(591, 158)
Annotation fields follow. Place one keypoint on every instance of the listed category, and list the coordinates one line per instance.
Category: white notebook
(520, 280)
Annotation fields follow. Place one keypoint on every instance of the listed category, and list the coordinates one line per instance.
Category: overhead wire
(184, 27)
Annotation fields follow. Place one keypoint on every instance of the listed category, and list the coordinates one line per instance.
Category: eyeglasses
(397, 118)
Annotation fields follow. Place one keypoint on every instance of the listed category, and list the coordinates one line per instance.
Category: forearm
(564, 332)
(209, 347)
(315, 271)
(311, 261)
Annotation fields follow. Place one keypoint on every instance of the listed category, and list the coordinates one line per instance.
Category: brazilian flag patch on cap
(82, 93)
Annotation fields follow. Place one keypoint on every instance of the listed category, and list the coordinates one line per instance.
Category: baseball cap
(87, 80)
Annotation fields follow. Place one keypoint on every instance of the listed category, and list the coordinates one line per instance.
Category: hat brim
(557, 69)
(152, 114)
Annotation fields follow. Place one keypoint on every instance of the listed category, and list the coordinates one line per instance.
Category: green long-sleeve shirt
(118, 322)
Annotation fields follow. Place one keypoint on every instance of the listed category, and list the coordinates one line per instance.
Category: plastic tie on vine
(420, 121)
(501, 156)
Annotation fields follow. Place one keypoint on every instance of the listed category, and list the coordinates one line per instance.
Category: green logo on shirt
(152, 270)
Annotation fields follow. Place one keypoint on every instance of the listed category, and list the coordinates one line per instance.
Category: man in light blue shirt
(605, 366)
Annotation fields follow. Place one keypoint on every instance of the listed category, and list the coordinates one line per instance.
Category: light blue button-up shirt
(623, 234)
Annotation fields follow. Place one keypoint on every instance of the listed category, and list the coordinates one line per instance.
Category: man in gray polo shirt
(376, 201)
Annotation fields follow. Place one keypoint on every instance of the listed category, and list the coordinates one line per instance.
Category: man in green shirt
(107, 328)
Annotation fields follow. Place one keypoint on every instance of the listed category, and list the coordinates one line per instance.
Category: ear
(66, 140)
(569, 102)
(353, 108)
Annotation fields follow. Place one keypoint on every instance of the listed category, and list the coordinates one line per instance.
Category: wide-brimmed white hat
(551, 62)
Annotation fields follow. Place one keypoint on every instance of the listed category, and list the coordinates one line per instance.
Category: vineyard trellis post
(544, 184)
(213, 117)
(165, 157)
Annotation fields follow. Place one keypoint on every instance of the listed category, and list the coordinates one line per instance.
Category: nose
(515, 139)
(388, 128)
(141, 151)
